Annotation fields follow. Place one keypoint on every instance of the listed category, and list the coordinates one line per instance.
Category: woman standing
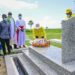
(20, 24)
(5, 34)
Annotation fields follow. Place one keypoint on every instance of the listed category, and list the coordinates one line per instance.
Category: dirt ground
(2, 66)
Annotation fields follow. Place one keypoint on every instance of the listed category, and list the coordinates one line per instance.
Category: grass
(56, 44)
(28, 43)
(29, 33)
(50, 33)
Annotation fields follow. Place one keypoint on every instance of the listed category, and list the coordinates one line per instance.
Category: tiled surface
(50, 52)
(40, 64)
(11, 68)
(28, 66)
(10, 65)
(55, 54)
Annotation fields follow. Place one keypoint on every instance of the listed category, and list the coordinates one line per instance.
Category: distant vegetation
(50, 33)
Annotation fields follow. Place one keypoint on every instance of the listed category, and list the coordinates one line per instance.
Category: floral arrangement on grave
(41, 43)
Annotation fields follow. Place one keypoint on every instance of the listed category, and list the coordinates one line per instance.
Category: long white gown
(12, 31)
(21, 34)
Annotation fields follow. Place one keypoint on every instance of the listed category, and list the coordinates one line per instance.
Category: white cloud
(50, 22)
(16, 4)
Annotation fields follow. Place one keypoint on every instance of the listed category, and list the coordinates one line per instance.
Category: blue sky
(46, 12)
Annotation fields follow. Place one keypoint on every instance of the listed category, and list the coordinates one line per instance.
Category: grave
(68, 40)
(46, 61)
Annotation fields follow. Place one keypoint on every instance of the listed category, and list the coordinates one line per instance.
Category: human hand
(19, 28)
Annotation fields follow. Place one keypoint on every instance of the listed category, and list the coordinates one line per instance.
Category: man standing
(12, 30)
(20, 24)
(69, 14)
(5, 34)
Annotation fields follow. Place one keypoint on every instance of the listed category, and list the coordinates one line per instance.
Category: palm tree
(30, 23)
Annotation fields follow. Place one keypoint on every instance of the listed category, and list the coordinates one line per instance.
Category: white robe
(21, 34)
(12, 31)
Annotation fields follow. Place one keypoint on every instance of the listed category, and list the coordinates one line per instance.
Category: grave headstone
(68, 40)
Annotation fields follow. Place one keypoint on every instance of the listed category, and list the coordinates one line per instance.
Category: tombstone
(68, 40)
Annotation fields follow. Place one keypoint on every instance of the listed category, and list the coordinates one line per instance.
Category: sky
(48, 13)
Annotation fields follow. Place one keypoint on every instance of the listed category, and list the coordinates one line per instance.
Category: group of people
(12, 33)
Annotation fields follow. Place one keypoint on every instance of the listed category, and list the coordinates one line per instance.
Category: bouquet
(41, 43)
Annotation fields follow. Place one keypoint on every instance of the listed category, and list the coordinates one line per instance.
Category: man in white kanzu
(12, 30)
(20, 24)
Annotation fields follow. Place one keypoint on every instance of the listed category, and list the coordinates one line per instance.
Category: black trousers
(4, 43)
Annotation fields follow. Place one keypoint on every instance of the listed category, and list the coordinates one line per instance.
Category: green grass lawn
(53, 33)
(50, 33)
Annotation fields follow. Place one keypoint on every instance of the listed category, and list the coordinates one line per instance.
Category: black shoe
(15, 46)
(10, 47)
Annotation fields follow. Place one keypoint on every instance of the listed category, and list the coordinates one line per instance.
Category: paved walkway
(2, 66)
(56, 40)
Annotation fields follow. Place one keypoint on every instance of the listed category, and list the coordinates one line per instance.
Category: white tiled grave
(51, 52)
(40, 61)
(54, 59)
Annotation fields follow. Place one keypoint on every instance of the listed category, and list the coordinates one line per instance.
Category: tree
(30, 23)
(46, 27)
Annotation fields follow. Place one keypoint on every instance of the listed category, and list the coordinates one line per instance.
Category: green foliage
(30, 22)
(50, 33)
(27, 43)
